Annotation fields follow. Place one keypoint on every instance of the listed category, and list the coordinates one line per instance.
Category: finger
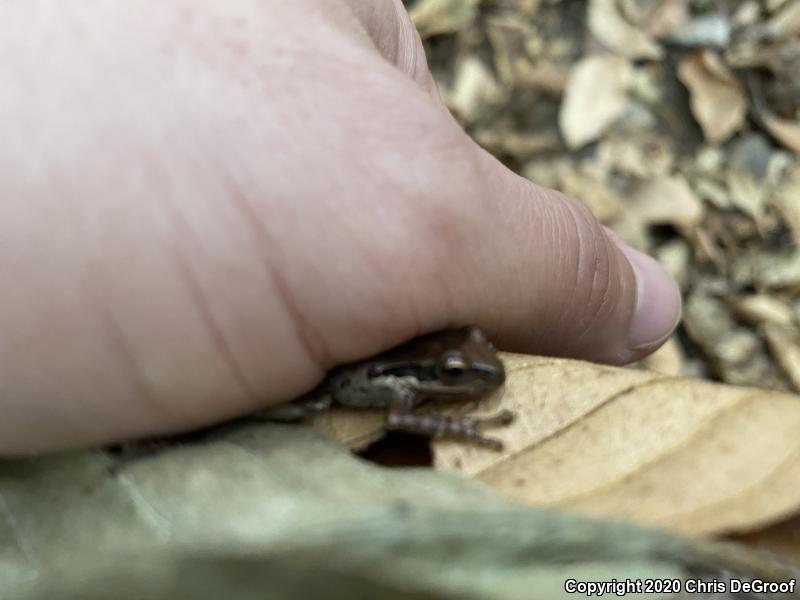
(390, 30)
(583, 290)
(541, 259)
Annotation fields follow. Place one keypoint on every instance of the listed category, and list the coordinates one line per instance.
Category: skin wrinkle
(411, 58)
(561, 237)
(401, 46)
(606, 305)
(531, 213)
(580, 257)
(578, 295)
(578, 217)
(438, 230)
(411, 242)
(552, 226)
(370, 18)
(311, 340)
(202, 305)
(552, 210)
(115, 334)
(95, 285)
(438, 234)
(451, 237)
(600, 281)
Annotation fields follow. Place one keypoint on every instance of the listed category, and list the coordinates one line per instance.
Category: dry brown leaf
(668, 200)
(748, 13)
(516, 143)
(784, 200)
(746, 195)
(762, 309)
(785, 131)
(667, 16)
(787, 21)
(356, 429)
(604, 202)
(675, 256)
(595, 96)
(784, 343)
(778, 270)
(433, 17)
(610, 27)
(473, 90)
(667, 360)
(712, 86)
(773, 6)
(546, 77)
(642, 154)
(691, 456)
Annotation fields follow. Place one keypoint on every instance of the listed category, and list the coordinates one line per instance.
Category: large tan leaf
(692, 456)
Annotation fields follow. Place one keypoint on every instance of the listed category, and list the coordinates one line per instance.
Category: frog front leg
(458, 425)
(296, 410)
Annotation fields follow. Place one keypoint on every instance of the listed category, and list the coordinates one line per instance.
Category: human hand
(208, 205)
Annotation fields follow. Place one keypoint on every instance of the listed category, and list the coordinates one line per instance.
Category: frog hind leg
(456, 426)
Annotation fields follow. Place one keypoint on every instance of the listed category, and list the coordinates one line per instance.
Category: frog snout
(491, 374)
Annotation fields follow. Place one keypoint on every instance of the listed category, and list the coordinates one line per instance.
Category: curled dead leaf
(784, 343)
(473, 90)
(667, 360)
(595, 97)
(784, 201)
(711, 86)
(667, 16)
(432, 17)
(786, 21)
(784, 131)
(745, 194)
(764, 309)
(612, 29)
(668, 200)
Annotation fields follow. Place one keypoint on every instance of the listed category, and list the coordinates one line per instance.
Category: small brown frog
(458, 363)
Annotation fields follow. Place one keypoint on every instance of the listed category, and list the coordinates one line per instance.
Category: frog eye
(453, 364)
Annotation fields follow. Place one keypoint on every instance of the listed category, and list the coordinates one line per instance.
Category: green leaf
(279, 511)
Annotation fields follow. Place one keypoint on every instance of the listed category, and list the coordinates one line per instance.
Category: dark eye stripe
(484, 368)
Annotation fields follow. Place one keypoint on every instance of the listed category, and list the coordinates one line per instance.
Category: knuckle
(593, 286)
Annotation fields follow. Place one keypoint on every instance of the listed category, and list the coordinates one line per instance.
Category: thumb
(541, 259)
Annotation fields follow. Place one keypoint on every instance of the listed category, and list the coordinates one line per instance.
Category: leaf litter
(678, 123)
